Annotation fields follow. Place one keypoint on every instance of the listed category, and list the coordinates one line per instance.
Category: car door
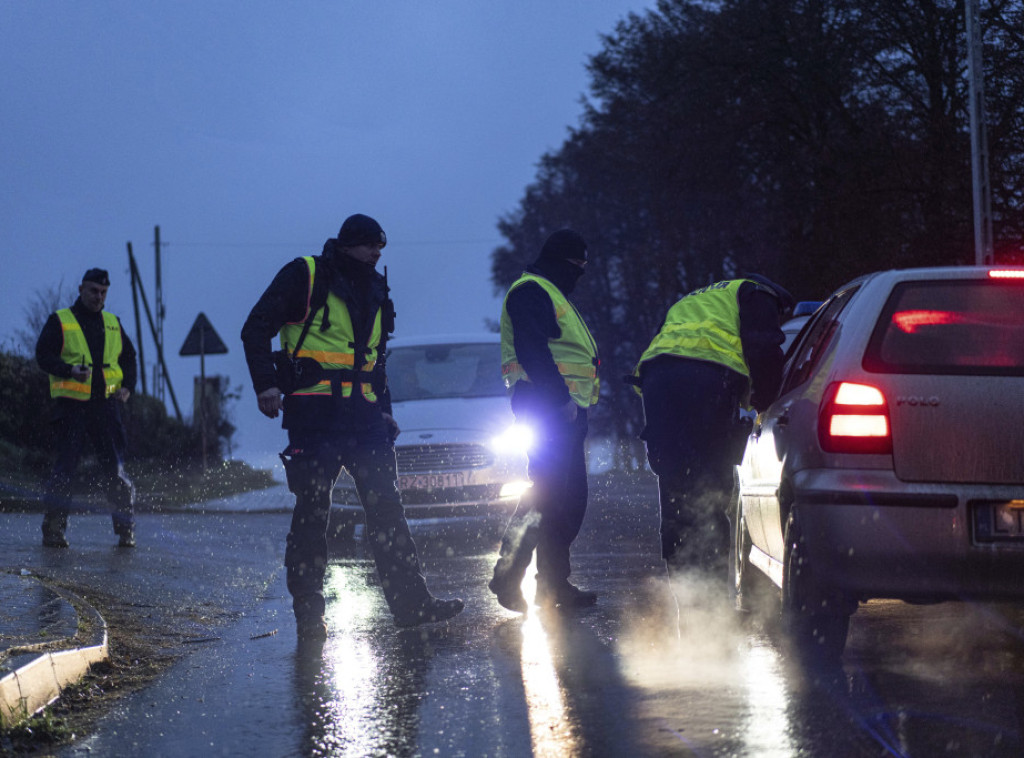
(790, 420)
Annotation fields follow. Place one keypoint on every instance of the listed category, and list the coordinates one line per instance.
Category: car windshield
(950, 327)
(425, 372)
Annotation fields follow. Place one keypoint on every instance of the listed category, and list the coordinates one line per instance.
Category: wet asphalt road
(620, 679)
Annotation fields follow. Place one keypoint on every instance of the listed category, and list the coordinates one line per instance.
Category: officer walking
(91, 363)
(333, 315)
(549, 361)
(718, 351)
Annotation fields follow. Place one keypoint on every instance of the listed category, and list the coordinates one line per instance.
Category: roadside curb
(41, 678)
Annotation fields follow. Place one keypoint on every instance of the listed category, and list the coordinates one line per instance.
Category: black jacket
(51, 342)
(362, 289)
(761, 338)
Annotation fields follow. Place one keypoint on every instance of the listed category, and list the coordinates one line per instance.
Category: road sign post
(202, 339)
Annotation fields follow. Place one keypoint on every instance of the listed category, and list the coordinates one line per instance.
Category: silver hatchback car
(892, 463)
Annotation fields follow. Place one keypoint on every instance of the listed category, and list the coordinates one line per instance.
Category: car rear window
(425, 372)
(950, 327)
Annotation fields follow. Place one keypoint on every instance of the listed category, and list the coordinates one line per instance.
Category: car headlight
(518, 438)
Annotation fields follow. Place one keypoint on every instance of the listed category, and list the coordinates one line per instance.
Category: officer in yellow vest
(718, 352)
(333, 314)
(91, 363)
(549, 362)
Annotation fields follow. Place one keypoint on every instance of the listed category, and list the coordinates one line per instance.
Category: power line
(305, 245)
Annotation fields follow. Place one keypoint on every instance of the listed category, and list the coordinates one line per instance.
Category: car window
(424, 372)
(790, 330)
(973, 326)
(805, 353)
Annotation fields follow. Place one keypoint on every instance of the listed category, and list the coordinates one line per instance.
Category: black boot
(430, 612)
(563, 595)
(54, 525)
(517, 546)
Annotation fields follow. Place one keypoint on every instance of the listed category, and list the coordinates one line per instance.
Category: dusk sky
(249, 130)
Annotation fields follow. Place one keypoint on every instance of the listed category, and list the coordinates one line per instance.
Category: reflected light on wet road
(551, 733)
(767, 701)
(350, 666)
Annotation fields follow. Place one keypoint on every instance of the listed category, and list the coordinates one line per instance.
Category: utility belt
(374, 377)
(295, 373)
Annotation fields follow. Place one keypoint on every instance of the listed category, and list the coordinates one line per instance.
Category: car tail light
(1006, 273)
(854, 419)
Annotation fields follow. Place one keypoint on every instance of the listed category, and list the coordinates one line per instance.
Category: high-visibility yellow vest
(332, 349)
(75, 351)
(704, 325)
(574, 352)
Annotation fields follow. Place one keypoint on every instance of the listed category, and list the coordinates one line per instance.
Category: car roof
(467, 338)
(938, 272)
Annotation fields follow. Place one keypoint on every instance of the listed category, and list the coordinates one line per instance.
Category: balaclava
(559, 249)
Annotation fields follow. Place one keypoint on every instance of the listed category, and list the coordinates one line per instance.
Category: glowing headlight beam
(518, 438)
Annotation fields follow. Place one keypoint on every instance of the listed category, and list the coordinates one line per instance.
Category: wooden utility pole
(152, 329)
(138, 322)
(160, 377)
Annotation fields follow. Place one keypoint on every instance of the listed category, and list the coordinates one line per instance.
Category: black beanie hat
(358, 229)
(786, 300)
(565, 244)
(97, 275)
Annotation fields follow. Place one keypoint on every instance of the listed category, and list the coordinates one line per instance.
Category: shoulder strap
(317, 300)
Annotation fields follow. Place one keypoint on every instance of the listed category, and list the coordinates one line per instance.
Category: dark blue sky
(248, 131)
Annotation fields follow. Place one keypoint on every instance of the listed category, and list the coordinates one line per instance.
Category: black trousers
(313, 462)
(100, 422)
(690, 414)
(550, 514)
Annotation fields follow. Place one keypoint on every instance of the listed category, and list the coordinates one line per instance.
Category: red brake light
(854, 419)
(1001, 273)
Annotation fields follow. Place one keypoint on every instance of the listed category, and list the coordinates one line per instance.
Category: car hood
(483, 414)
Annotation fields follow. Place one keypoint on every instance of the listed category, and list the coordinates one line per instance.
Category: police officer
(91, 363)
(718, 351)
(549, 361)
(333, 315)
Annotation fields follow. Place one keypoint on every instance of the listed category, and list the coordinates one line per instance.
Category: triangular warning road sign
(202, 339)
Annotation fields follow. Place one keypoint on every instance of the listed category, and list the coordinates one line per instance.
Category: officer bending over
(718, 351)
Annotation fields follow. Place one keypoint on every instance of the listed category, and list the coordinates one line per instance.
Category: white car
(460, 452)
(892, 463)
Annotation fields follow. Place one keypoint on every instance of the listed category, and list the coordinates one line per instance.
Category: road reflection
(360, 692)
(575, 699)
(551, 734)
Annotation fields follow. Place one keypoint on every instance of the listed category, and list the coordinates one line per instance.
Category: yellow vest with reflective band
(574, 352)
(705, 325)
(332, 349)
(75, 351)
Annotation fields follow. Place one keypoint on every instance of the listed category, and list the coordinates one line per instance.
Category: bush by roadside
(164, 457)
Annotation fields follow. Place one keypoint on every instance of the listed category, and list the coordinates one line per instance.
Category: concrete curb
(40, 680)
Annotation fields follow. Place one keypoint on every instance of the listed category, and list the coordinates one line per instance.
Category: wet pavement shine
(627, 677)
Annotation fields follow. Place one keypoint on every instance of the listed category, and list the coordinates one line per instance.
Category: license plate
(432, 481)
(999, 522)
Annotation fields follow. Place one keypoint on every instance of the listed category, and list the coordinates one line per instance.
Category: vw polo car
(460, 452)
(892, 463)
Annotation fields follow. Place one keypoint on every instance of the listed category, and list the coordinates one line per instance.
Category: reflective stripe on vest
(75, 351)
(332, 349)
(704, 325)
(574, 352)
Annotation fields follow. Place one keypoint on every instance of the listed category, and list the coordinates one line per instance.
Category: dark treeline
(809, 140)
